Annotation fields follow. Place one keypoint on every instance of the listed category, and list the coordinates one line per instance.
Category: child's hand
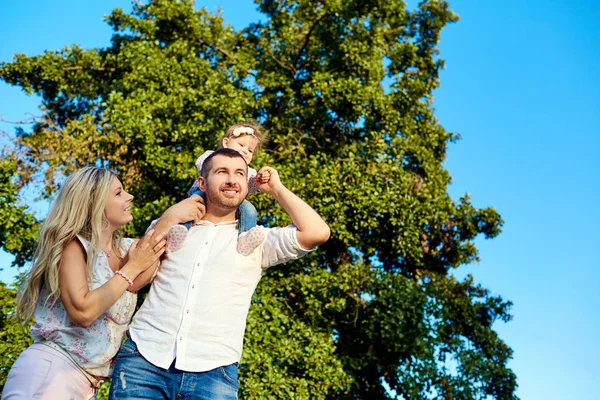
(268, 180)
(263, 176)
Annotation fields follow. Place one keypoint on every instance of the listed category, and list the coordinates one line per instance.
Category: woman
(81, 289)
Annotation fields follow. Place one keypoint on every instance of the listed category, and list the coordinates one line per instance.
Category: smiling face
(226, 183)
(243, 144)
(116, 209)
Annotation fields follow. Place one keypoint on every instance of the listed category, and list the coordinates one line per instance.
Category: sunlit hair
(257, 132)
(77, 210)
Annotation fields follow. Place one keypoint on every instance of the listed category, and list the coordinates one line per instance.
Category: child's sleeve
(200, 160)
(252, 186)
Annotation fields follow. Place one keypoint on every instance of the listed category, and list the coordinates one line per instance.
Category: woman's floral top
(93, 348)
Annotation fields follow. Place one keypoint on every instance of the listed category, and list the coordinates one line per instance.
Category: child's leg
(250, 235)
(197, 192)
(248, 217)
(176, 237)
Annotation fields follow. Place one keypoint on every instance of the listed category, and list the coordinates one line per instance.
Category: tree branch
(27, 121)
(92, 68)
(307, 39)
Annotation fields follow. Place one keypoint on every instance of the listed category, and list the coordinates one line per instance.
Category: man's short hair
(207, 164)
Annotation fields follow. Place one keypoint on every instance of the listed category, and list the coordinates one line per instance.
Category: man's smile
(230, 192)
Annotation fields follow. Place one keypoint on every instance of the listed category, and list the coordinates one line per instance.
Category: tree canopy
(345, 91)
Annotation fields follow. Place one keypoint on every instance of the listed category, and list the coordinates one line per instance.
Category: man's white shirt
(195, 312)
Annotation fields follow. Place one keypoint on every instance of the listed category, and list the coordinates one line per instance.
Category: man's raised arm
(312, 230)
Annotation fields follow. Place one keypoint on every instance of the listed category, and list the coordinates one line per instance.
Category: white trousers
(43, 373)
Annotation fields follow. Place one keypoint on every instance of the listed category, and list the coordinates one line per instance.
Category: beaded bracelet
(124, 277)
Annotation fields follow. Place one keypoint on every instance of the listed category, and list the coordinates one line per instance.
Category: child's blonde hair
(247, 128)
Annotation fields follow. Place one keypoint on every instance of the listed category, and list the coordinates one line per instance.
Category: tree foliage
(13, 337)
(345, 91)
(18, 226)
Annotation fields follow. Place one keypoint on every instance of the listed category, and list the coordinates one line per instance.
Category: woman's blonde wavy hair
(77, 210)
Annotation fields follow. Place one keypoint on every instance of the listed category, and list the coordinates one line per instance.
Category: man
(186, 340)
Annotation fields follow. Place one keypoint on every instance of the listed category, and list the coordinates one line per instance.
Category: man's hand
(312, 230)
(267, 180)
(190, 209)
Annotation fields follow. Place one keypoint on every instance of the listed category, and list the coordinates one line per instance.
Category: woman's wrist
(124, 276)
(130, 270)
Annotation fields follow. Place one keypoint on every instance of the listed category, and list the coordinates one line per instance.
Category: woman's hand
(84, 306)
(146, 252)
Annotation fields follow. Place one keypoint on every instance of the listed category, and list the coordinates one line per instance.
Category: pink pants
(43, 373)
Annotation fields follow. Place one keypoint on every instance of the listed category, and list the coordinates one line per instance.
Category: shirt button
(193, 286)
(206, 242)
(187, 311)
(180, 337)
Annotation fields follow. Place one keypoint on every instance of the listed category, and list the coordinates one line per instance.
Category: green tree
(13, 337)
(344, 89)
(18, 226)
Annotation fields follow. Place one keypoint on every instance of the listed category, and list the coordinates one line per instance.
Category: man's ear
(202, 183)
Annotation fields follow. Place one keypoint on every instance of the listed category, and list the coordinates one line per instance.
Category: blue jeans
(246, 211)
(136, 378)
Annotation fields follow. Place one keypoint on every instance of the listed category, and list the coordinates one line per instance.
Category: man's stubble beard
(223, 203)
(220, 201)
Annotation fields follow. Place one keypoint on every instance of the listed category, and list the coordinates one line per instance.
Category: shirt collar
(208, 223)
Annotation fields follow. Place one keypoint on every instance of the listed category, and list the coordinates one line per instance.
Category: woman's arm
(84, 306)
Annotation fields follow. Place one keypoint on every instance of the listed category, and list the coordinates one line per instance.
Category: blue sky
(520, 88)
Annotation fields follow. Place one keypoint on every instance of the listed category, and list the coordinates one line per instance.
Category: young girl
(78, 289)
(246, 139)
